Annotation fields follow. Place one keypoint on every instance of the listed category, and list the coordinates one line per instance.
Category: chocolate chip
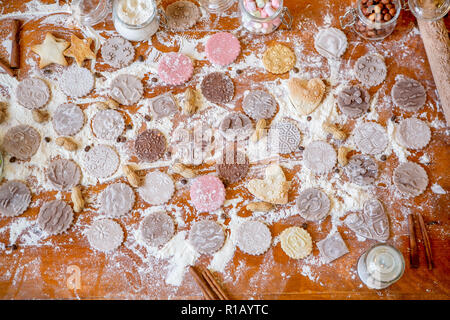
(168, 154)
(383, 157)
(337, 170)
(87, 148)
(393, 118)
(223, 216)
(47, 72)
(304, 225)
(430, 223)
(308, 118)
(121, 139)
(12, 247)
(98, 75)
(296, 70)
(154, 79)
(47, 139)
(148, 117)
(129, 127)
(238, 71)
(301, 148)
(183, 181)
(141, 58)
(12, 159)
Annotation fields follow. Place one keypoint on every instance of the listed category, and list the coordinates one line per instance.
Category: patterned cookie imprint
(370, 138)
(370, 70)
(372, 223)
(236, 126)
(332, 247)
(409, 94)
(68, 119)
(21, 141)
(234, 166)
(126, 89)
(157, 229)
(319, 157)
(362, 170)
(76, 82)
(150, 145)
(222, 48)
(413, 133)
(63, 174)
(331, 43)
(278, 59)
(108, 124)
(105, 235)
(313, 204)
(296, 242)
(207, 193)
(253, 237)
(163, 106)
(182, 15)
(175, 68)
(15, 197)
(259, 104)
(410, 179)
(101, 161)
(157, 189)
(206, 236)
(284, 137)
(217, 88)
(32, 93)
(117, 52)
(353, 101)
(55, 217)
(117, 200)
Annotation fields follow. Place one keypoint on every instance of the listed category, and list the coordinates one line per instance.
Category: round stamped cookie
(175, 68)
(117, 200)
(182, 15)
(370, 138)
(15, 197)
(223, 48)
(313, 204)
(253, 237)
(157, 189)
(68, 119)
(207, 193)
(362, 170)
(278, 59)
(117, 52)
(76, 82)
(410, 179)
(296, 242)
(234, 166)
(353, 101)
(108, 124)
(63, 174)
(259, 104)
(55, 217)
(206, 236)
(126, 89)
(157, 229)
(150, 145)
(32, 93)
(319, 157)
(413, 133)
(370, 70)
(409, 94)
(105, 235)
(101, 161)
(331, 43)
(217, 88)
(21, 141)
(236, 126)
(284, 136)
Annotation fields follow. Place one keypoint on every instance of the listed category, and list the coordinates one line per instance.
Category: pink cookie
(207, 193)
(222, 48)
(175, 68)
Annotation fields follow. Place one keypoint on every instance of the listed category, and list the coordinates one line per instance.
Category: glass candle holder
(216, 6)
(372, 22)
(264, 19)
(381, 266)
(136, 20)
(429, 9)
(89, 12)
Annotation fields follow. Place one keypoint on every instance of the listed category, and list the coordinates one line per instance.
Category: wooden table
(41, 271)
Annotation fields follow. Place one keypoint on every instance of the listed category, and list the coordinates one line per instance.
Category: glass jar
(216, 6)
(89, 12)
(379, 23)
(264, 20)
(429, 9)
(381, 266)
(136, 20)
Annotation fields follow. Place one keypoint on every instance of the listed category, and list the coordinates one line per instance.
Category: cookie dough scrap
(253, 237)
(157, 229)
(105, 235)
(296, 242)
(278, 59)
(306, 95)
(273, 189)
(332, 247)
(51, 51)
(206, 236)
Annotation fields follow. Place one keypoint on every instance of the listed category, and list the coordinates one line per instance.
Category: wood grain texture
(40, 271)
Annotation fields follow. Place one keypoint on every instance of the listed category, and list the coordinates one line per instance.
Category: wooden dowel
(207, 292)
(426, 242)
(14, 59)
(7, 69)
(413, 253)
(213, 283)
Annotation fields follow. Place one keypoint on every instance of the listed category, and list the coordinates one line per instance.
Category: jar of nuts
(373, 19)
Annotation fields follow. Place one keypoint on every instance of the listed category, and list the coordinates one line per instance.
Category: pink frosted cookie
(207, 193)
(222, 48)
(175, 68)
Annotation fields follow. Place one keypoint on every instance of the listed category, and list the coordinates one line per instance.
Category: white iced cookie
(296, 242)
(306, 95)
(330, 43)
(273, 189)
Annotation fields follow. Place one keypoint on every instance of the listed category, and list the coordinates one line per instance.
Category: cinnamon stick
(207, 292)
(426, 242)
(214, 285)
(14, 60)
(413, 253)
(7, 69)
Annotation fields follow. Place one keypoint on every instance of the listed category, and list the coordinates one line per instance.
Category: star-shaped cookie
(80, 50)
(51, 51)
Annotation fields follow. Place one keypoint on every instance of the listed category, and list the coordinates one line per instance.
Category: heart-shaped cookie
(273, 189)
(306, 95)
(372, 223)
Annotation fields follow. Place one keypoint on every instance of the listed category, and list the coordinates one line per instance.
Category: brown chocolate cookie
(150, 145)
(218, 88)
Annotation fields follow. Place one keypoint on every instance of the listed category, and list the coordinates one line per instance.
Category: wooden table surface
(41, 271)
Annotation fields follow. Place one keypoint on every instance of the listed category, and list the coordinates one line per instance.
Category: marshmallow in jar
(264, 16)
(135, 20)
